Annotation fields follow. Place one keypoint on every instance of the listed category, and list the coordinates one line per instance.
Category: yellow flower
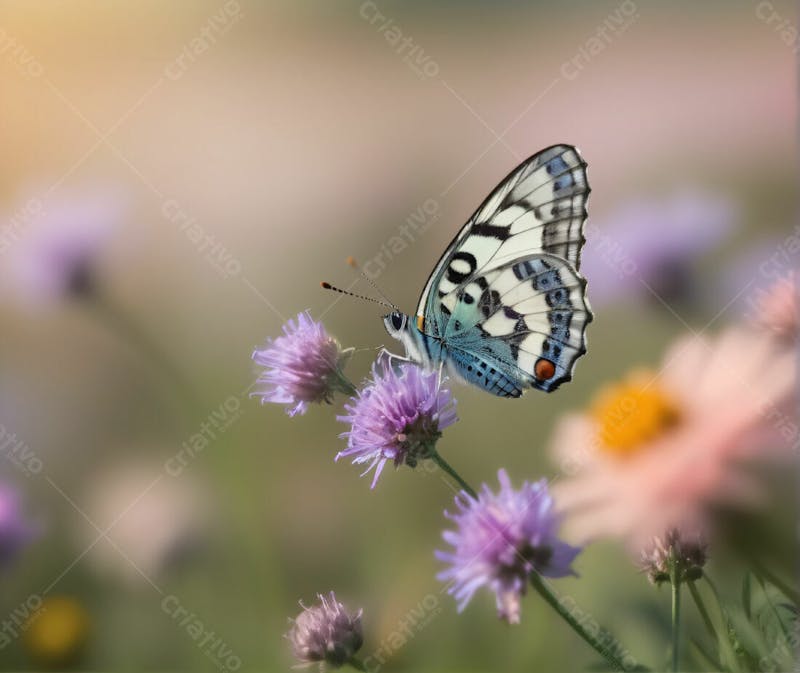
(56, 633)
(633, 412)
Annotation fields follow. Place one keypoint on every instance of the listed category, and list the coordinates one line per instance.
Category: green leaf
(709, 662)
(747, 595)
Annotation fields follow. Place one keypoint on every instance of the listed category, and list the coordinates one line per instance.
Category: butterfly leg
(393, 356)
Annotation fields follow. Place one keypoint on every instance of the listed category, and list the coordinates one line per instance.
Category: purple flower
(500, 539)
(55, 246)
(303, 366)
(654, 242)
(398, 416)
(15, 530)
(326, 633)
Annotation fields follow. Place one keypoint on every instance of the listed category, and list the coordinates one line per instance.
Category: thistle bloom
(398, 416)
(302, 367)
(500, 539)
(658, 242)
(15, 530)
(654, 449)
(326, 633)
(55, 250)
(676, 551)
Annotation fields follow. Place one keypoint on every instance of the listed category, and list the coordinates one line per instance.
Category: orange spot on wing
(544, 369)
(420, 323)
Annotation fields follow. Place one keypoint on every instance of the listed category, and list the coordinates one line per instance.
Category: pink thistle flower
(398, 416)
(302, 367)
(326, 633)
(500, 539)
(56, 252)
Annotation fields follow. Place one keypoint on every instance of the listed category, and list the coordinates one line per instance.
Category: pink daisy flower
(655, 449)
(778, 307)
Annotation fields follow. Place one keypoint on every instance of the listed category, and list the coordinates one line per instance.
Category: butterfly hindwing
(539, 207)
(525, 320)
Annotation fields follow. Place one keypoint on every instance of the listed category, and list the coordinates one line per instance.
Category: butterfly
(505, 307)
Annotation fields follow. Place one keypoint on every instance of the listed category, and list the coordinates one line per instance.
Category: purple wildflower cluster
(499, 540)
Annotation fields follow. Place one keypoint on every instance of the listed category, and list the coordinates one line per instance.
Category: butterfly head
(396, 324)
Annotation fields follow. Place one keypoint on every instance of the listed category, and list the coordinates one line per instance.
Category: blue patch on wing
(558, 167)
(486, 375)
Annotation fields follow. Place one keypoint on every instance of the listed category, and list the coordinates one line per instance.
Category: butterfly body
(460, 359)
(505, 308)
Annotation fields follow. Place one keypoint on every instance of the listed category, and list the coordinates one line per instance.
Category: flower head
(664, 447)
(326, 633)
(678, 552)
(500, 539)
(302, 367)
(57, 251)
(398, 416)
(658, 242)
(15, 530)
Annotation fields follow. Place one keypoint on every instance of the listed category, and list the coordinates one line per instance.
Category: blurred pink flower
(157, 522)
(53, 245)
(655, 450)
(777, 308)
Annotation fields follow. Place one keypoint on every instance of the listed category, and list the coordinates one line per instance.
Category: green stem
(130, 331)
(343, 384)
(676, 617)
(444, 465)
(357, 664)
(728, 643)
(701, 608)
(550, 598)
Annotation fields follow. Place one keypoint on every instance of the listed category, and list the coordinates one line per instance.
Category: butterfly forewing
(540, 206)
(506, 297)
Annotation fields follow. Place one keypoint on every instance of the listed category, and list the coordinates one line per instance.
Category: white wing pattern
(506, 297)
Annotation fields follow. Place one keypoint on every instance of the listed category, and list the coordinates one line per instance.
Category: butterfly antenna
(328, 286)
(352, 262)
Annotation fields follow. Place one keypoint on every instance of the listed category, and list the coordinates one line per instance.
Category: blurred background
(178, 179)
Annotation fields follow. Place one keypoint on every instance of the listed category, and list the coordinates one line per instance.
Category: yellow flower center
(56, 633)
(633, 412)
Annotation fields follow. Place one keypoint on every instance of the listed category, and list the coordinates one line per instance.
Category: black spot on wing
(489, 302)
(501, 233)
(457, 277)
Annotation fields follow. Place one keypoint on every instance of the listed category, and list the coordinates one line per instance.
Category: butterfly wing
(539, 207)
(519, 325)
